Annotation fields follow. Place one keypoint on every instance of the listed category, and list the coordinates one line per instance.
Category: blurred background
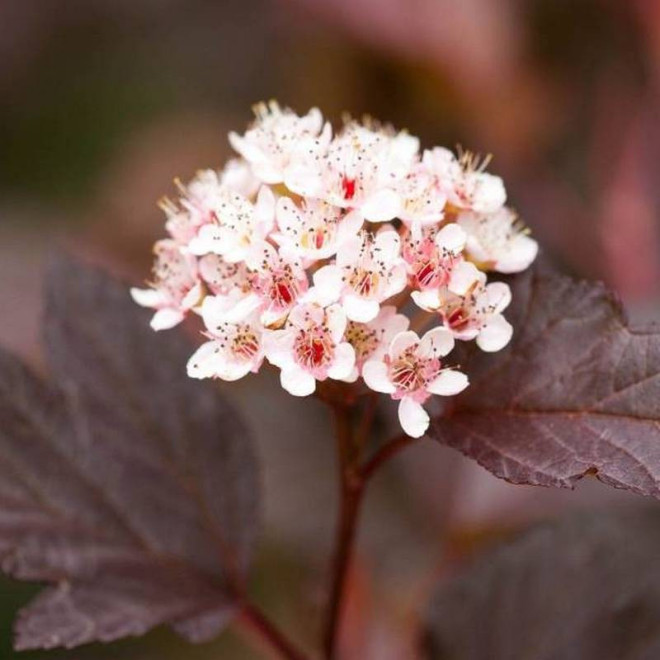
(104, 102)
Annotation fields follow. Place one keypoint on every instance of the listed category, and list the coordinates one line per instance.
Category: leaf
(585, 588)
(576, 392)
(129, 487)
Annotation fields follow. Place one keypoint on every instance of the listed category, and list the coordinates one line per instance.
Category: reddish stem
(256, 621)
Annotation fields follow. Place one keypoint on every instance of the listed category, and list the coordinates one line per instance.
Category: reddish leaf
(586, 588)
(578, 391)
(129, 487)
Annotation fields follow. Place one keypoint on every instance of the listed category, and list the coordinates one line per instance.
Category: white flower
(498, 240)
(278, 279)
(422, 199)
(475, 315)
(275, 138)
(235, 347)
(360, 170)
(237, 224)
(466, 184)
(175, 288)
(371, 340)
(315, 229)
(222, 277)
(369, 270)
(310, 347)
(434, 261)
(411, 371)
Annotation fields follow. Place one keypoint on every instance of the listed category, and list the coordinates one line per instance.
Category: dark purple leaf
(129, 487)
(577, 392)
(587, 588)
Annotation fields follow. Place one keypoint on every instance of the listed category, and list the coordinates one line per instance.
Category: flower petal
(448, 383)
(382, 206)
(297, 381)
(414, 419)
(375, 376)
(401, 342)
(360, 310)
(495, 335)
(463, 276)
(328, 284)
(343, 363)
(451, 237)
(167, 318)
(437, 342)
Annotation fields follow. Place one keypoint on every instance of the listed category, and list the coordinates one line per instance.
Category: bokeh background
(104, 102)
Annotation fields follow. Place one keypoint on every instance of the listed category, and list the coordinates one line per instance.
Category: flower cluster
(306, 250)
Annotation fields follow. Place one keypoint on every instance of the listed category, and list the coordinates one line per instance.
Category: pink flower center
(313, 349)
(410, 373)
(245, 343)
(348, 187)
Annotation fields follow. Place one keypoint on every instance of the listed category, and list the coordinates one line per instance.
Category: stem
(255, 620)
(353, 481)
(351, 491)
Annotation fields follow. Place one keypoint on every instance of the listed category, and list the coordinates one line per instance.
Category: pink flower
(278, 279)
(371, 340)
(434, 261)
(201, 196)
(235, 347)
(236, 225)
(369, 269)
(423, 199)
(411, 371)
(360, 170)
(498, 241)
(310, 347)
(272, 142)
(315, 229)
(466, 184)
(476, 315)
(222, 277)
(175, 288)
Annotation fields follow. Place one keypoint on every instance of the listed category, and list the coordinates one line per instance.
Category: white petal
(202, 363)
(264, 209)
(490, 194)
(343, 363)
(300, 178)
(463, 276)
(192, 298)
(498, 295)
(148, 297)
(210, 239)
(167, 318)
(495, 335)
(451, 237)
(360, 310)
(278, 347)
(448, 383)
(349, 225)
(297, 381)
(401, 342)
(436, 343)
(375, 376)
(328, 284)
(428, 300)
(382, 206)
(336, 321)
(414, 419)
(388, 244)
(522, 252)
